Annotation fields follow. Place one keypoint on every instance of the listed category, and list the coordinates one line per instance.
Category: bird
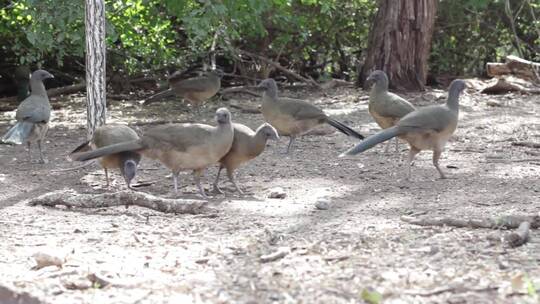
(126, 161)
(428, 128)
(195, 90)
(32, 115)
(181, 146)
(386, 108)
(246, 145)
(293, 117)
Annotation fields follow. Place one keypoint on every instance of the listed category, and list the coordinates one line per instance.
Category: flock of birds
(195, 146)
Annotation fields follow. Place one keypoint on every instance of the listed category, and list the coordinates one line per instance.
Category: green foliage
(470, 33)
(316, 37)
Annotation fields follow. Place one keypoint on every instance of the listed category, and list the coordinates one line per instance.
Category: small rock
(277, 192)
(322, 204)
(44, 259)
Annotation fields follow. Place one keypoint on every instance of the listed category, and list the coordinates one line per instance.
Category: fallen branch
(528, 144)
(280, 67)
(159, 122)
(508, 222)
(518, 237)
(70, 198)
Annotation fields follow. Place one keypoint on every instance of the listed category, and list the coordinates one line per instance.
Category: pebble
(322, 204)
(277, 192)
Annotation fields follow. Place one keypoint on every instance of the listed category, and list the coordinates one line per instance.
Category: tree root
(70, 198)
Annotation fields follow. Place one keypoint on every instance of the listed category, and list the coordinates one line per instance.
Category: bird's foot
(217, 190)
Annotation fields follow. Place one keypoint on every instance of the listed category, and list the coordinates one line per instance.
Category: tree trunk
(95, 64)
(400, 41)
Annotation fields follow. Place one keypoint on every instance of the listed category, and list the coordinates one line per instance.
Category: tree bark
(95, 65)
(400, 42)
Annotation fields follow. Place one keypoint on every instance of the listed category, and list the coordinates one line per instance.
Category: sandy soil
(357, 249)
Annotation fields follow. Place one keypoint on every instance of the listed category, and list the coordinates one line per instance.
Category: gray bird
(428, 128)
(32, 116)
(293, 117)
(385, 107)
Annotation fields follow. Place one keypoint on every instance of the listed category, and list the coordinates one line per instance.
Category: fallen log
(515, 66)
(505, 84)
(72, 199)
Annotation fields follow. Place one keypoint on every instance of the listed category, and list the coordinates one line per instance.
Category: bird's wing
(300, 109)
(34, 109)
(436, 118)
(391, 105)
(178, 137)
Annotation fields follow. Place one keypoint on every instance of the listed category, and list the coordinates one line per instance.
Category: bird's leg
(175, 181)
(197, 176)
(412, 153)
(291, 142)
(216, 187)
(436, 156)
(387, 146)
(231, 178)
(29, 152)
(397, 145)
(106, 178)
(41, 158)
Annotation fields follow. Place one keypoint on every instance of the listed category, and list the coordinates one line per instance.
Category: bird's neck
(38, 88)
(453, 100)
(380, 87)
(271, 92)
(258, 143)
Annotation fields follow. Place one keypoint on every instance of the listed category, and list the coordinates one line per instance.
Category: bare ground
(357, 248)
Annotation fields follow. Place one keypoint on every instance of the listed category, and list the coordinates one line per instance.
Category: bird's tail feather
(85, 146)
(373, 140)
(108, 150)
(19, 133)
(344, 128)
(158, 96)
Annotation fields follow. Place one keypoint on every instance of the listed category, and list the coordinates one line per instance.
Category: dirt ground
(356, 250)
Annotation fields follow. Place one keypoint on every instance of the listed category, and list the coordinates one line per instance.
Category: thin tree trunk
(400, 41)
(95, 64)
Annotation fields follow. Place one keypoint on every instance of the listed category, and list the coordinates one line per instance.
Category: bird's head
(41, 75)
(377, 77)
(129, 170)
(268, 132)
(223, 116)
(457, 86)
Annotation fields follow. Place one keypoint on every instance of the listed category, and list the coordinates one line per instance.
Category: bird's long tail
(108, 150)
(373, 140)
(158, 96)
(85, 146)
(19, 133)
(344, 128)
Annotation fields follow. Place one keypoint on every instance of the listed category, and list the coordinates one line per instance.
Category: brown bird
(126, 161)
(293, 117)
(195, 91)
(186, 146)
(428, 128)
(246, 146)
(386, 108)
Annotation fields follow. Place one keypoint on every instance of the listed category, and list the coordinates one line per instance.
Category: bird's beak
(49, 76)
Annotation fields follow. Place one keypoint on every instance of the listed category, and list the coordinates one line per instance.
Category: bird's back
(35, 108)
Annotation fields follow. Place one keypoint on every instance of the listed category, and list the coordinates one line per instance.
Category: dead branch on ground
(506, 222)
(72, 199)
